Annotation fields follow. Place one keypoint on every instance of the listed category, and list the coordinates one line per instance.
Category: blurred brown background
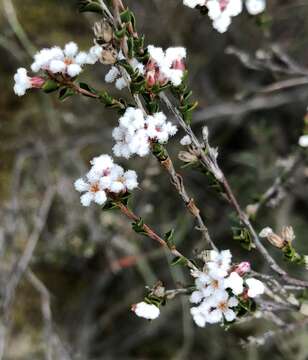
(92, 264)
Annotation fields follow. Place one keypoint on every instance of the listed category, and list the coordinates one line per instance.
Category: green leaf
(179, 260)
(138, 227)
(131, 49)
(244, 237)
(159, 151)
(66, 93)
(50, 86)
(90, 6)
(86, 87)
(119, 34)
(126, 16)
(169, 238)
(109, 205)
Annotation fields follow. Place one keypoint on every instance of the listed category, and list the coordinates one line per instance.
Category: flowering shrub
(156, 80)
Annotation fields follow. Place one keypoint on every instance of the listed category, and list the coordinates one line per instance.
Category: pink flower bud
(179, 65)
(150, 78)
(243, 268)
(37, 82)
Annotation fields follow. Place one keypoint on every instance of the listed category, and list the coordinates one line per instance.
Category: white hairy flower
(165, 66)
(114, 75)
(255, 287)
(147, 311)
(255, 7)
(135, 132)
(66, 61)
(303, 141)
(193, 3)
(23, 82)
(105, 177)
(217, 288)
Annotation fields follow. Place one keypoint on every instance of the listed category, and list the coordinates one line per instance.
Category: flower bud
(37, 82)
(273, 238)
(287, 233)
(243, 268)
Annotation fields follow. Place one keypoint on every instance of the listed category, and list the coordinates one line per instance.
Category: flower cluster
(105, 179)
(222, 11)
(68, 62)
(136, 132)
(114, 74)
(146, 311)
(165, 66)
(303, 141)
(220, 287)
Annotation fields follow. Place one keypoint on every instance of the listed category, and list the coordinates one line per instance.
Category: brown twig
(152, 234)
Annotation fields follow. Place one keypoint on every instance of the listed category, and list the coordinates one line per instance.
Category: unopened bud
(37, 82)
(109, 55)
(273, 238)
(187, 157)
(205, 133)
(243, 268)
(251, 210)
(287, 233)
(103, 32)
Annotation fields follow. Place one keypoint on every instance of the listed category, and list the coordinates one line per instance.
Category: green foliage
(138, 227)
(169, 237)
(90, 6)
(291, 255)
(50, 86)
(243, 236)
(65, 93)
(179, 260)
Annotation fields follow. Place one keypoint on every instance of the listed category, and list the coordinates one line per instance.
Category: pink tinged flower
(146, 311)
(150, 78)
(93, 192)
(196, 297)
(243, 268)
(255, 287)
(23, 82)
(234, 282)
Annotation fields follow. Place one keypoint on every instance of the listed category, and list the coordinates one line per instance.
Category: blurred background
(84, 268)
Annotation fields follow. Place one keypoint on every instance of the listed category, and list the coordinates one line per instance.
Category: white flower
(186, 140)
(67, 61)
(165, 66)
(92, 190)
(222, 305)
(219, 263)
(235, 282)
(255, 287)
(255, 7)
(136, 132)
(105, 177)
(114, 75)
(193, 3)
(201, 314)
(147, 311)
(22, 82)
(264, 233)
(303, 141)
